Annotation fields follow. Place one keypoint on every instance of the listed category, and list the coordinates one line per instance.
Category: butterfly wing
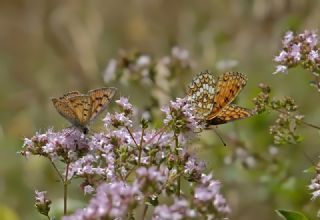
(100, 98)
(201, 93)
(81, 106)
(69, 95)
(230, 113)
(228, 87)
(64, 109)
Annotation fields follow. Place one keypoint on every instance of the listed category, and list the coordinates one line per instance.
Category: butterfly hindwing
(201, 92)
(81, 106)
(230, 113)
(228, 87)
(100, 98)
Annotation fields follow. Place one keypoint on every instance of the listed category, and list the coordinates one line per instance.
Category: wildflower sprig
(130, 165)
(300, 50)
(288, 119)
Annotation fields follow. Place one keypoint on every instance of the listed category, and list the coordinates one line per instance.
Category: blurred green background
(50, 47)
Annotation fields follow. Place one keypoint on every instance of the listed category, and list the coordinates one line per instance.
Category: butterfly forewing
(69, 95)
(100, 98)
(230, 113)
(65, 110)
(81, 106)
(227, 89)
(201, 93)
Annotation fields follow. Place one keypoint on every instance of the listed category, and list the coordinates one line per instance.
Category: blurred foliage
(50, 47)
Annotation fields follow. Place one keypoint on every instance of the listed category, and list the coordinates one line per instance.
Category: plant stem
(144, 213)
(131, 135)
(161, 131)
(57, 171)
(302, 121)
(178, 163)
(140, 146)
(65, 190)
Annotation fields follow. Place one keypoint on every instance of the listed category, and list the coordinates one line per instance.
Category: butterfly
(211, 97)
(81, 109)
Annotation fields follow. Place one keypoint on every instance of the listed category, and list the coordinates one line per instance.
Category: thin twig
(162, 130)
(144, 213)
(65, 190)
(58, 172)
(140, 146)
(178, 161)
(302, 121)
(131, 135)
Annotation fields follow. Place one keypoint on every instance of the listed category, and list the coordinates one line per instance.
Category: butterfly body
(212, 96)
(81, 109)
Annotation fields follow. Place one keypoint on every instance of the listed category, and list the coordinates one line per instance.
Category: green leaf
(291, 215)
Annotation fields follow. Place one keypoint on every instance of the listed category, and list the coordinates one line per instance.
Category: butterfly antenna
(221, 139)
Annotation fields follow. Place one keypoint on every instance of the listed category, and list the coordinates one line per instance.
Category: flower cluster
(112, 200)
(181, 117)
(206, 203)
(299, 49)
(179, 210)
(142, 68)
(130, 165)
(285, 128)
(208, 199)
(314, 186)
(42, 202)
(161, 76)
(152, 177)
(68, 144)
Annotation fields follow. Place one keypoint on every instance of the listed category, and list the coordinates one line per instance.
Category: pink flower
(179, 210)
(112, 200)
(281, 69)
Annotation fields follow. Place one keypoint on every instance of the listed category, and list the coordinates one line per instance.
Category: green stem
(57, 171)
(144, 213)
(131, 135)
(65, 190)
(303, 122)
(140, 146)
(161, 131)
(178, 165)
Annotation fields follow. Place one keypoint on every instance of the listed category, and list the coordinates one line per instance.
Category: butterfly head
(85, 130)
